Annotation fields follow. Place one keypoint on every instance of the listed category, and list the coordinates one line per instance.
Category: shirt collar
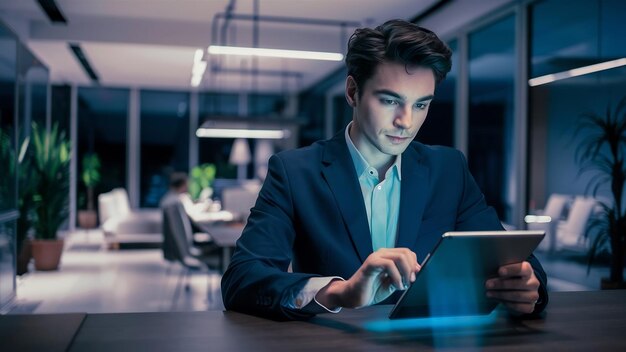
(361, 165)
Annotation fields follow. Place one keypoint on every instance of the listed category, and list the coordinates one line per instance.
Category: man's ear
(352, 91)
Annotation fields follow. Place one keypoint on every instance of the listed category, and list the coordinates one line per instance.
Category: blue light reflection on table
(387, 325)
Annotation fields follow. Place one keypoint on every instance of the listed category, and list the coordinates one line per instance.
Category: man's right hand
(382, 273)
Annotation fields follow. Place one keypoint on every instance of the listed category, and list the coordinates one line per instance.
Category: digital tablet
(452, 279)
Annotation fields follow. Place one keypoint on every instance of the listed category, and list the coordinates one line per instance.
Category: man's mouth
(396, 139)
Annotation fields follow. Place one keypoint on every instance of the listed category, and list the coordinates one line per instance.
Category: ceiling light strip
(607, 65)
(198, 68)
(241, 133)
(281, 53)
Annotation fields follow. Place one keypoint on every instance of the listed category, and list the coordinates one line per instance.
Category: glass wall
(102, 129)
(60, 106)
(312, 107)
(217, 150)
(342, 113)
(439, 125)
(266, 105)
(8, 63)
(7, 262)
(32, 83)
(164, 130)
(8, 165)
(587, 33)
(492, 63)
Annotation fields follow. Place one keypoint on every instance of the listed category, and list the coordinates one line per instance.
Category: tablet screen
(452, 279)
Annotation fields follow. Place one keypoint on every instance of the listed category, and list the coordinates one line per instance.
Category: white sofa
(121, 224)
(571, 234)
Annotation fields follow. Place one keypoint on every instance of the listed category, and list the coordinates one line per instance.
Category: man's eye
(420, 106)
(388, 101)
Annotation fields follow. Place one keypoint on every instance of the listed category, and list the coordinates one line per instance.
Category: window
(587, 33)
(439, 125)
(102, 126)
(164, 141)
(266, 105)
(217, 150)
(492, 62)
(8, 165)
(8, 53)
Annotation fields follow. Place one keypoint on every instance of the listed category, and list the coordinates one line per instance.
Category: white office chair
(570, 234)
(547, 219)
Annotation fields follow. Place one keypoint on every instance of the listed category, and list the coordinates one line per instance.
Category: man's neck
(380, 161)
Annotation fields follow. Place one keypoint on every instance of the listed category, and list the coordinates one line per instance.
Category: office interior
(119, 79)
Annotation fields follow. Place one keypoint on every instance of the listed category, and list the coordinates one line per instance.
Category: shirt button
(380, 187)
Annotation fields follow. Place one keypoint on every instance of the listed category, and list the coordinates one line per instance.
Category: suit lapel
(338, 170)
(413, 191)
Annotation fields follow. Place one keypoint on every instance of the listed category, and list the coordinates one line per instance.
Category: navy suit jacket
(310, 212)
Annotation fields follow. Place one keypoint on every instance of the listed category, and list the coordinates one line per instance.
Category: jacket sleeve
(474, 214)
(257, 279)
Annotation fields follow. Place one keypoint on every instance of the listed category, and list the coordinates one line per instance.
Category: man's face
(184, 188)
(390, 110)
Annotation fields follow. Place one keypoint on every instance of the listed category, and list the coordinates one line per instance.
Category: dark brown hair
(177, 179)
(396, 41)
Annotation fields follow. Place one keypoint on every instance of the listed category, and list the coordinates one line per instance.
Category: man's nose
(403, 117)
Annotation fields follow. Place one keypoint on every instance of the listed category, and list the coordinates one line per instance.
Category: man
(356, 214)
(179, 193)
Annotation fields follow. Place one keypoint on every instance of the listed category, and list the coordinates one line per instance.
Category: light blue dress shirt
(382, 199)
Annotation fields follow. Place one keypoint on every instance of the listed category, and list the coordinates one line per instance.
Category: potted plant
(603, 150)
(90, 175)
(50, 166)
(202, 177)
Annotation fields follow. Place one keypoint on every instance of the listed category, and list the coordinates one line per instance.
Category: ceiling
(151, 43)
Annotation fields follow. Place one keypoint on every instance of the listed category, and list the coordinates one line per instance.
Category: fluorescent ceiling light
(245, 127)
(607, 65)
(197, 57)
(195, 80)
(541, 219)
(289, 54)
(198, 68)
(241, 133)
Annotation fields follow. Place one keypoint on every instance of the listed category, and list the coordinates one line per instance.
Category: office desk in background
(224, 235)
(576, 321)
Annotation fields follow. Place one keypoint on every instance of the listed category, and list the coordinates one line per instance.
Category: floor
(93, 279)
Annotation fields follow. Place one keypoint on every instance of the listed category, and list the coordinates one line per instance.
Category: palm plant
(51, 157)
(603, 150)
(90, 176)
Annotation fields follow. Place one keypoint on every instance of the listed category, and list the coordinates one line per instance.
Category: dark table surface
(39, 332)
(575, 321)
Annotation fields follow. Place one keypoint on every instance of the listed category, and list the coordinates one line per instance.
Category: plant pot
(607, 284)
(23, 257)
(47, 254)
(87, 219)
